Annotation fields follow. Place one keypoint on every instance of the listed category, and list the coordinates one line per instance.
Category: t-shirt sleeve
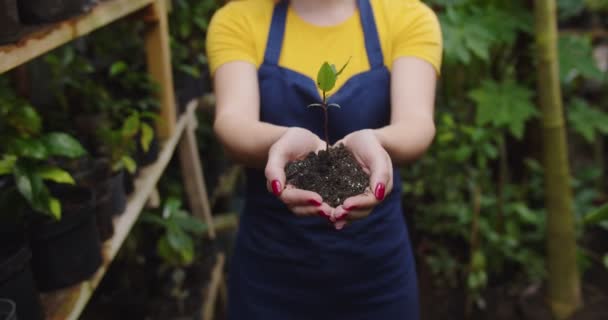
(229, 38)
(417, 33)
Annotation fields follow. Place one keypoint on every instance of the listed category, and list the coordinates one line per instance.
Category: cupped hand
(295, 144)
(376, 162)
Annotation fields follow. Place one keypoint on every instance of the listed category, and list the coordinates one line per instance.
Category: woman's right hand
(295, 144)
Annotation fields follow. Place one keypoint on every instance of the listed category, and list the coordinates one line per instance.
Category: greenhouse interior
(303, 159)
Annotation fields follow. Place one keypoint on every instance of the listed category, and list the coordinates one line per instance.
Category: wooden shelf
(55, 35)
(68, 304)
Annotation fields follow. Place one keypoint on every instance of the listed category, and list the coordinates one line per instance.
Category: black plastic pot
(10, 27)
(47, 11)
(147, 158)
(7, 310)
(96, 176)
(17, 284)
(118, 194)
(129, 182)
(68, 251)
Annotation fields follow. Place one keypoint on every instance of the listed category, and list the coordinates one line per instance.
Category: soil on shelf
(334, 174)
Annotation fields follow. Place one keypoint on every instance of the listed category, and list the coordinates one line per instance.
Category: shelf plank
(55, 35)
(70, 302)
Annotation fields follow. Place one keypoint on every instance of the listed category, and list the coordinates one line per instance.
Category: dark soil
(334, 174)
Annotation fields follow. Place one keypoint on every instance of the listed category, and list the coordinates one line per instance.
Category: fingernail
(322, 214)
(339, 226)
(380, 190)
(314, 202)
(276, 187)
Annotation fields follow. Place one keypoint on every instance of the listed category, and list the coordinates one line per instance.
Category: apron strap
(368, 22)
(372, 38)
(276, 34)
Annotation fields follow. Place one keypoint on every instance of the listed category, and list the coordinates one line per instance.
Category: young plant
(326, 81)
(120, 143)
(26, 152)
(180, 229)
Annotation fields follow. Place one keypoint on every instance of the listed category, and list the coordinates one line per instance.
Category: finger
(341, 214)
(323, 211)
(381, 176)
(275, 171)
(339, 225)
(297, 197)
(361, 202)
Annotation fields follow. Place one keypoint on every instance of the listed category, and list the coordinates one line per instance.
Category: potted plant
(11, 29)
(333, 173)
(47, 11)
(188, 23)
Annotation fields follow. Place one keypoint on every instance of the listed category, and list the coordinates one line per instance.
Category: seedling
(326, 81)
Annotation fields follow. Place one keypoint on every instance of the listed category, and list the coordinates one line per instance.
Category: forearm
(247, 140)
(407, 140)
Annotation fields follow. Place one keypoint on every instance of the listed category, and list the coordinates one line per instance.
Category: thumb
(381, 168)
(275, 172)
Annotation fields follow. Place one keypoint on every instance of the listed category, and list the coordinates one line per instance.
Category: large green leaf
(464, 36)
(576, 59)
(55, 174)
(25, 119)
(32, 188)
(326, 79)
(587, 120)
(506, 105)
(597, 216)
(63, 145)
(188, 223)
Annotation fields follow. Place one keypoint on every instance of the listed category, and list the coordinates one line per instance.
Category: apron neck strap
(368, 22)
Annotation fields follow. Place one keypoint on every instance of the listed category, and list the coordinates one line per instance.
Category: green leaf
(343, 67)
(7, 163)
(55, 174)
(596, 216)
(55, 208)
(168, 254)
(147, 134)
(576, 59)
(190, 224)
(586, 120)
(172, 205)
(63, 145)
(605, 260)
(506, 105)
(154, 219)
(131, 126)
(32, 188)
(118, 68)
(28, 148)
(129, 163)
(25, 119)
(326, 79)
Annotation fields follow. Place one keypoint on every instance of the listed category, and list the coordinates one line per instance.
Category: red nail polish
(314, 202)
(322, 214)
(380, 190)
(276, 187)
(351, 208)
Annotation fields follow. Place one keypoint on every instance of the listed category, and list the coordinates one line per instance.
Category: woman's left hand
(376, 162)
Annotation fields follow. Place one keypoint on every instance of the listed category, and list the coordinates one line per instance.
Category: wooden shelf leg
(159, 65)
(215, 292)
(193, 176)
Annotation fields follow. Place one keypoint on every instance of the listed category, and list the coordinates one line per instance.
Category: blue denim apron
(291, 268)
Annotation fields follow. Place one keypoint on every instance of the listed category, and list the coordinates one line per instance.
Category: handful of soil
(334, 174)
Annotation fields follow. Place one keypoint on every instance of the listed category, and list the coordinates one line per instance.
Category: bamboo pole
(564, 293)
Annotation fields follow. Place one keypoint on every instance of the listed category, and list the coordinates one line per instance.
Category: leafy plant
(25, 152)
(180, 229)
(120, 143)
(326, 81)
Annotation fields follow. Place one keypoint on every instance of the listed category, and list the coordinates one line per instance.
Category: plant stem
(326, 120)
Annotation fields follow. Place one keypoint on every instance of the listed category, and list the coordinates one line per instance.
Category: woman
(296, 257)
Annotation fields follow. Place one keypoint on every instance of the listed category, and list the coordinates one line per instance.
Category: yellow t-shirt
(407, 28)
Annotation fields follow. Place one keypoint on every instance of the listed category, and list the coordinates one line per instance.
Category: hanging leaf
(118, 68)
(129, 164)
(147, 134)
(63, 145)
(338, 73)
(326, 79)
(131, 126)
(32, 188)
(55, 174)
(576, 59)
(505, 105)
